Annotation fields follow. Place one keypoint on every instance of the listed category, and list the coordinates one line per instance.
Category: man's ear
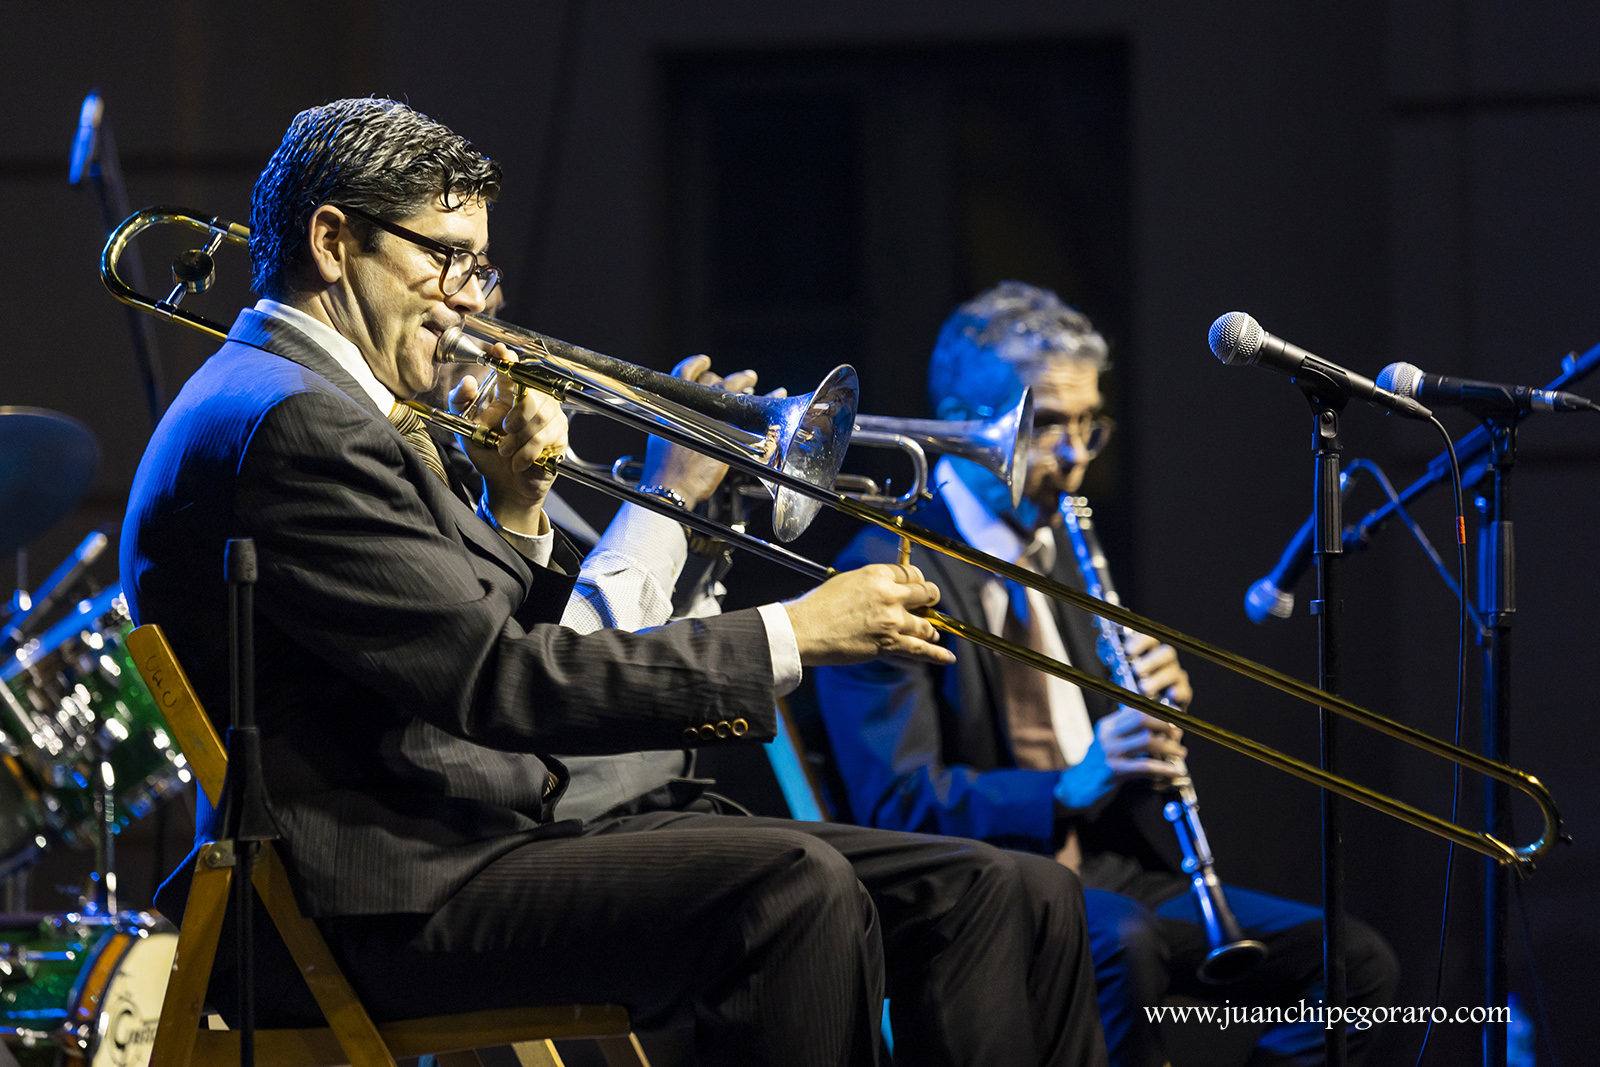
(326, 228)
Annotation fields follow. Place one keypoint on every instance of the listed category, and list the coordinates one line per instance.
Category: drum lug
(217, 854)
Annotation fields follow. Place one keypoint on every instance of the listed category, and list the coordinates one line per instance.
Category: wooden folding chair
(350, 1036)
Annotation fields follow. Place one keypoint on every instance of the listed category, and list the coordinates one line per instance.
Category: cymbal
(47, 461)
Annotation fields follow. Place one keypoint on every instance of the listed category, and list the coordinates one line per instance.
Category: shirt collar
(986, 531)
(340, 348)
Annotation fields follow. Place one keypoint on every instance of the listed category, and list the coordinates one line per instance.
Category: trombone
(801, 437)
(656, 403)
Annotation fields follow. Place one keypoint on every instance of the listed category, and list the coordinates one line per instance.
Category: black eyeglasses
(1094, 431)
(460, 264)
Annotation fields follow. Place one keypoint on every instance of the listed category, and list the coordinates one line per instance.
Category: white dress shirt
(987, 532)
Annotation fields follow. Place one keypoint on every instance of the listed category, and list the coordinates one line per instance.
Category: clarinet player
(989, 750)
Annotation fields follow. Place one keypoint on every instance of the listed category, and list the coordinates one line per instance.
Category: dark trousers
(1141, 954)
(777, 940)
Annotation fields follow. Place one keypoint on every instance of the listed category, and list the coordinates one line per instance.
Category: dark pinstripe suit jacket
(409, 669)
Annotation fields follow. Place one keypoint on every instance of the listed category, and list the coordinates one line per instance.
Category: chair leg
(191, 967)
(622, 1051)
(344, 1011)
(537, 1054)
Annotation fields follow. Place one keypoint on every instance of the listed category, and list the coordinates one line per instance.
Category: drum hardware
(85, 748)
(41, 604)
(629, 396)
(1232, 955)
(85, 987)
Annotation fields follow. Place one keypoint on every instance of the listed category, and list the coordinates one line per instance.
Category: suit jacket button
(740, 727)
(723, 729)
(691, 735)
(707, 732)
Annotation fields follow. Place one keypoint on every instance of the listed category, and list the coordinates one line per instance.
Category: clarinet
(1232, 954)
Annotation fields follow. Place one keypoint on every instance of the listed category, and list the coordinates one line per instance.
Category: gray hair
(993, 343)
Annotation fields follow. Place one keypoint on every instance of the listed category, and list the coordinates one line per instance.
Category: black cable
(1417, 532)
(1461, 691)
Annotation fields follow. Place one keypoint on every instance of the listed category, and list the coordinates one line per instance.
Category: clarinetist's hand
(866, 613)
(1127, 744)
(1160, 675)
(532, 427)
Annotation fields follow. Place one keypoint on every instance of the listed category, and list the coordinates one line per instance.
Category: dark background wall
(1376, 181)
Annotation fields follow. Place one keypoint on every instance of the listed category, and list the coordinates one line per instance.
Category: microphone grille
(1402, 378)
(1236, 338)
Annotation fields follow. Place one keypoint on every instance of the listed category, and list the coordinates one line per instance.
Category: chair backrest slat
(190, 726)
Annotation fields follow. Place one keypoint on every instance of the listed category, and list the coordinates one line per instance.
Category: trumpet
(628, 393)
(999, 444)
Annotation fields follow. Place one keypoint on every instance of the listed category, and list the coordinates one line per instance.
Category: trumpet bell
(1000, 444)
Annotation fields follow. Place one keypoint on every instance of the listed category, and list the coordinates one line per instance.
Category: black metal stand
(246, 819)
(103, 901)
(1497, 603)
(1328, 608)
(98, 162)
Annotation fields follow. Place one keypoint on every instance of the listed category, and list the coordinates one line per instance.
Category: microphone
(1238, 339)
(1482, 398)
(1270, 599)
(85, 145)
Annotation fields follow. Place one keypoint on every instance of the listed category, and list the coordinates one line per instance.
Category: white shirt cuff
(785, 649)
(644, 539)
(535, 548)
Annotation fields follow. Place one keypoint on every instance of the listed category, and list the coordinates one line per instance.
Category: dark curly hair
(370, 153)
(991, 344)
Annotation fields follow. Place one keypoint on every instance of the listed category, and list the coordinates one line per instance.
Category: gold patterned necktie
(415, 431)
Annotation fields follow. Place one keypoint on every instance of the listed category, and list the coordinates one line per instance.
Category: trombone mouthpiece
(455, 346)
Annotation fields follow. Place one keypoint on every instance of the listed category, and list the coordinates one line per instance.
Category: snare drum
(89, 991)
(65, 694)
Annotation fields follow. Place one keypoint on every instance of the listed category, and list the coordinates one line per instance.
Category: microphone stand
(1328, 546)
(1472, 446)
(1497, 603)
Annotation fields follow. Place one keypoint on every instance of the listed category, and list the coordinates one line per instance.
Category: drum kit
(84, 750)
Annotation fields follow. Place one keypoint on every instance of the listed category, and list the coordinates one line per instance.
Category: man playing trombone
(412, 677)
(992, 750)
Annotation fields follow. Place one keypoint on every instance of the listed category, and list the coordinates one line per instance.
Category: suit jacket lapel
(273, 335)
(961, 595)
(1080, 633)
